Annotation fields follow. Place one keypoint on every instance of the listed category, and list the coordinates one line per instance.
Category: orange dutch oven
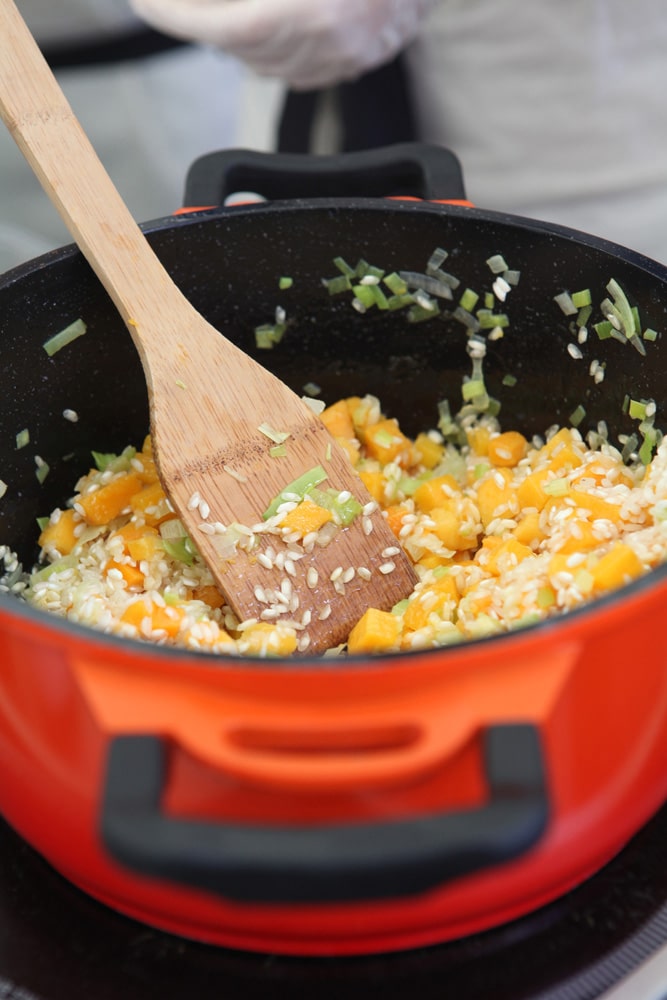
(348, 805)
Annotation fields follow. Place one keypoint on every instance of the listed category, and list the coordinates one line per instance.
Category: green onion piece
(59, 566)
(399, 301)
(312, 389)
(114, 463)
(566, 303)
(469, 300)
(42, 470)
(582, 298)
(381, 300)
(395, 283)
(23, 438)
(584, 315)
(344, 267)
(509, 380)
(362, 268)
(399, 609)
(300, 486)
(603, 329)
(276, 436)
(472, 389)
(637, 409)
(42, 522)
(64, 337)
(577, 415)
(269, 334)
(179, 549)
(285, 283)
(278, 451)
(648, 446)
(623, 306)
(437, 258)
(344, 511)
(481, 469)
(102, 459)
(497, 264)
(487, 320)
(336, 286)
(489, 300)
(650, 335)
(364, 293)
(417, 313)
(557, 487)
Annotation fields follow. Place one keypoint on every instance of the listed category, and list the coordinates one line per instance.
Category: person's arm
(308, 44)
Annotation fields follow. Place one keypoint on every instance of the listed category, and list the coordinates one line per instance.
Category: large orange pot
(328, 807)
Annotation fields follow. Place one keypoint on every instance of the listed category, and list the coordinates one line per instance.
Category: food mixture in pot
(503, 532)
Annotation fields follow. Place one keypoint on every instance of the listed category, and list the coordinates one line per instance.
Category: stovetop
(58, 944)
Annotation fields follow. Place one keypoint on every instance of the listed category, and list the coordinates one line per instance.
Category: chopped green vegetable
(59, 566)
(650, 335)
(472, 389)
(395, 283)
(22, 438)
(112, 462)
(180, 549)
(285, 283)
(488, 319)
(582, 298)
(42, 522)
(497, 264)
(335, 286)
(42, 470)
(344, 267)
(267, 335)
(509, 380)
(577, 415)
(64, 337)
(278, 451)
(344, 511)
(276, 436)
(557, 487)
(299, 487)
(469, 299)
(637, 409)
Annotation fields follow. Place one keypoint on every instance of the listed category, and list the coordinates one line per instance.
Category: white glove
(306, 43)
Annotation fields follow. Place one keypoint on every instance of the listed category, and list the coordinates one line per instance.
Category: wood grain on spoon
(207, 398)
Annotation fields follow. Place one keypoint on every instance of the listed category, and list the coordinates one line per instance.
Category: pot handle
(328, 863)
(411, 169)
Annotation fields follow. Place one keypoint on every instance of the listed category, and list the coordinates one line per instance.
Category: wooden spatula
(207, 398)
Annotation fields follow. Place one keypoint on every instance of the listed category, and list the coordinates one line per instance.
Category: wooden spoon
(207, 398)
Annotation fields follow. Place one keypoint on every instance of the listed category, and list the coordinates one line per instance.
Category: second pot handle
(416, 170)
(331, 862)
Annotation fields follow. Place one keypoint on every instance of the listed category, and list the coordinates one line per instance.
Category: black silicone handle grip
(327, 863)
(408, 169)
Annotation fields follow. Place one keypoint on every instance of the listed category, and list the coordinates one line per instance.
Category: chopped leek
(577, 415)
(22, 438)
(64, 337)
(469, 299)
(285, 283)
(344, 511)
(276, 436)
(299, 487)
(344, 267)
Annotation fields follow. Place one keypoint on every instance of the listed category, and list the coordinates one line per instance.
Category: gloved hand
(306, 43)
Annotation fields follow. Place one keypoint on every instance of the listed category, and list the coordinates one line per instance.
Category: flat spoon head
(208, 400)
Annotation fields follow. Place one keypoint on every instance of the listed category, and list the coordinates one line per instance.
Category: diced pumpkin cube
(374, 482)
(131, 574)
(435, 492)
(338, 420)
(350, 447)
(596, 506)
(530, 491)
(306, 517)
(432, 599)
(507, 450)
(106, 503)
(375, 631)
(58, 536)
(491, 495)
(394, 515)
(447, 527)
(209, 595)
(167, 619)
(265, 639)
(386, 442)
(508, 554)
(528, 529)
(151, 502)
(429, 452)
(601, 467)
(618, 566)
(147, 546)
(478, 439)
(582, 538)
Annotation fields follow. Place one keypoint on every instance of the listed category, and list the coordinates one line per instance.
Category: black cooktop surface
(58, 944)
